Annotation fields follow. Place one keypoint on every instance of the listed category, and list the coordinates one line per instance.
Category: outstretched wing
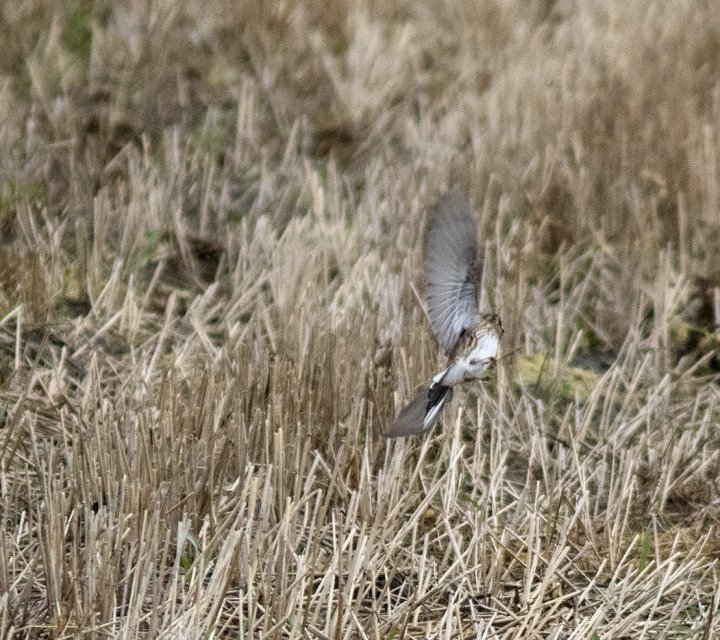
(451, 269)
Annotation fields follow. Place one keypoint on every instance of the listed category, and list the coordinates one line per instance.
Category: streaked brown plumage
(468, 338)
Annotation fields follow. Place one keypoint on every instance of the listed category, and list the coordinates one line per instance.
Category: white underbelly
(485, 349)
(472, 366)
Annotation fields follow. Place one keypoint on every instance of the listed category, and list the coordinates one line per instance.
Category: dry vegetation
(211, 222)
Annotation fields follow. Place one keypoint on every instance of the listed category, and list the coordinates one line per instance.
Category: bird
(470, 339)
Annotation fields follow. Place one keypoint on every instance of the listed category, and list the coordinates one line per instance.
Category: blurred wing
(411, 418)
(415, 419)
(451, 269)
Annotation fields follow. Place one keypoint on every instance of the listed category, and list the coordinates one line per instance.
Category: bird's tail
(422, 413)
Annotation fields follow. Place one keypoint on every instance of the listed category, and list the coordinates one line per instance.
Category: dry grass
(210, 230)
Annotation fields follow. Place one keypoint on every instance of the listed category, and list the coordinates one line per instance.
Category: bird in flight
(469, 338)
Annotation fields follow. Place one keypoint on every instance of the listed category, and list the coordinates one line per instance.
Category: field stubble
(211, 234)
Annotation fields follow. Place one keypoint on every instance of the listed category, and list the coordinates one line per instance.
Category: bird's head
(493, 319)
